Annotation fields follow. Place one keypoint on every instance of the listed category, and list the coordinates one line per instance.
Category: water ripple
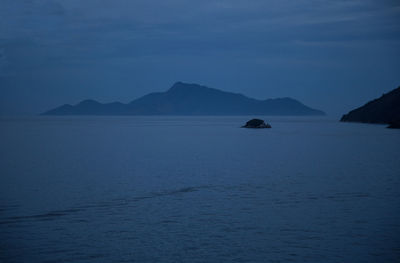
(118, 202)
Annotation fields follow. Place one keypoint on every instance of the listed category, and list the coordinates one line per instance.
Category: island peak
(191, 99)
(384, 110)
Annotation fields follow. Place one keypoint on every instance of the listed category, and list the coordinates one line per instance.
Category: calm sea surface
(198, 189)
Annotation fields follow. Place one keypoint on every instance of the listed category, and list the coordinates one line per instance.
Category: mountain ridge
(189, 99)
(384, 110)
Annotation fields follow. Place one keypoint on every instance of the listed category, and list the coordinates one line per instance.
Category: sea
(198, 189)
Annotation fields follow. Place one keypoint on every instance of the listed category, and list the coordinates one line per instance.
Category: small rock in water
(256, 123)
(394, 125)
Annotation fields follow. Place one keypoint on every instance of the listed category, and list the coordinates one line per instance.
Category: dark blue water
(183, 189)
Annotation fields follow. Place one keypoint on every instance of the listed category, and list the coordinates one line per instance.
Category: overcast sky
(330, 54)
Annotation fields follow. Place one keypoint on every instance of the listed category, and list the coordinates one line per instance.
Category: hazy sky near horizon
(333, 55)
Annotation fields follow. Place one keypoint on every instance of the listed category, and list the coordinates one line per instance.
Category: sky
(333, 55)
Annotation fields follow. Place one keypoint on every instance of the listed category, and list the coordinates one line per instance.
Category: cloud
(94, 25)
(57, 33)
(3, 62)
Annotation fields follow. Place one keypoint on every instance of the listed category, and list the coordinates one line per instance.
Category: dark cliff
(385, 109)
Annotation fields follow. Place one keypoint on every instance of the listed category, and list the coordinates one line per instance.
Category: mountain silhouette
(190, 99)
(385, 109)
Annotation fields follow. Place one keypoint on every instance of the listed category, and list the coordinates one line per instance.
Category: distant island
(384, 110)
(190, 99)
